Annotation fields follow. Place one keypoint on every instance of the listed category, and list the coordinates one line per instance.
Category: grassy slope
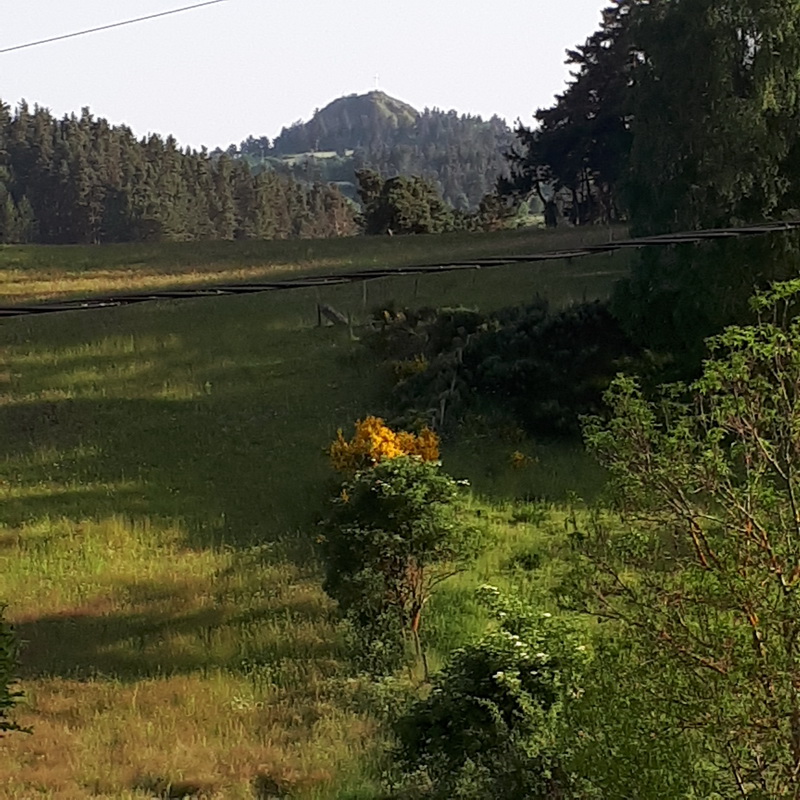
(160, 470)
(40, 272)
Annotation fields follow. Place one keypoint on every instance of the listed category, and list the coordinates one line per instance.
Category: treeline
(461, 154)
(680, 115)
(81, 180)
(411, 205)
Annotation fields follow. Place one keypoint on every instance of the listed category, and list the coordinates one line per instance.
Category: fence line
(111, 301)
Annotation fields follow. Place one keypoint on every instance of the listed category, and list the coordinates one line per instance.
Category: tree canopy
(715, 109)
(403, 205)
(681, 114)
(81, 180)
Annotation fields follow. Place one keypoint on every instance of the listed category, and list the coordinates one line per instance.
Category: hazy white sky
(214, 75)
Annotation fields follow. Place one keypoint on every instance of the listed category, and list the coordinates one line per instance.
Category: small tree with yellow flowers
(374, 441)
(396, 531)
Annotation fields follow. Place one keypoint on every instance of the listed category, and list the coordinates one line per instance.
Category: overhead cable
(108, 27)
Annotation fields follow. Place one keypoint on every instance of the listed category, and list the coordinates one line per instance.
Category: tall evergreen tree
(716, 101)
(576, 159)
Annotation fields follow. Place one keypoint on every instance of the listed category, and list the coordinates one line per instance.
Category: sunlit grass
(35, 272)
(161, 468)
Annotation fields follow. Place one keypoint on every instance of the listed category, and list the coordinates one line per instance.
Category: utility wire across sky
(108, 27)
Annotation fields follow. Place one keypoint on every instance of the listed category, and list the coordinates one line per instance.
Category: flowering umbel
(374, 441)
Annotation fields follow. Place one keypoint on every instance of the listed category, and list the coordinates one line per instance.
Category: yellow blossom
(374, 441)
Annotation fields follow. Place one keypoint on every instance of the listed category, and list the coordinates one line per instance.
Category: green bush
(492, 723)
(396, 531)
(404, 333)
(546, 369)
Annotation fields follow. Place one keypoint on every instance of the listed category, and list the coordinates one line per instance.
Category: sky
(215, 75)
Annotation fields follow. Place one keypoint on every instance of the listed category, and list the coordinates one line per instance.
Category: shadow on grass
(90, 642)
(239, 460)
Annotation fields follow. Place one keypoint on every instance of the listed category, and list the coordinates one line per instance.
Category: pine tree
(716, 100)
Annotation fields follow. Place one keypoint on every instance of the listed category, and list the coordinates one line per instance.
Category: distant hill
(348, 123)
(462, 154)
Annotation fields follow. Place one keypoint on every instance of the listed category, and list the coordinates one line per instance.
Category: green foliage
(545, 368)
(701, 577)
(715, 102)
(7, 665)
(406, 333)
(496, 213)
(81, 180)
(675, 298)
(491, 725)
(622, 742)
(403, 205)
(680, 115)
(395, 533)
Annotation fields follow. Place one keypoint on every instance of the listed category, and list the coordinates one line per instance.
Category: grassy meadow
(37, 272)
(161, 470)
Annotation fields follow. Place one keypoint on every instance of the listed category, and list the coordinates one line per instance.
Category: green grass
(32, 273)
(160, 472)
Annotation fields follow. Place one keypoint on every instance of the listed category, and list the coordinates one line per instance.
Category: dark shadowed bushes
(544, 368)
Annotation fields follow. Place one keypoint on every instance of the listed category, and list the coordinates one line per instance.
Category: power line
(112, 25)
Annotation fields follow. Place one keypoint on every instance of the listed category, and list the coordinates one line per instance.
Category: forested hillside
(461, 154)
(82, 180)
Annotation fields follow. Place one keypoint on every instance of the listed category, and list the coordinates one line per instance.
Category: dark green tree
(715, 107)
(575, 160)
(403, 205)
(81, 180)
(675, 298)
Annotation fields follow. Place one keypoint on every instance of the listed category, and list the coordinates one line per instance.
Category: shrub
(545, 368)
(373, 441)
(421, 333)
(491, 726)
(395, 533)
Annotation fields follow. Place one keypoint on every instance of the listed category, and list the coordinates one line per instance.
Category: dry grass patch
(148, 667)
(18, 286)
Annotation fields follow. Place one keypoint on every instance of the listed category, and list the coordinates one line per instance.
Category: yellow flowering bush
(374, 441)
